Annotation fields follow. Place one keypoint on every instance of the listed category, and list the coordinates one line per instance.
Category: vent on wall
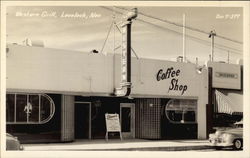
(35, 43)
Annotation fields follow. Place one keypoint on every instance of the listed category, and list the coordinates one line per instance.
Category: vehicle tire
(218, 148)
(237, 144)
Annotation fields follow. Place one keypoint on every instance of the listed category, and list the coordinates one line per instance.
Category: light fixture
(97, 103)
(199, 69)
(129, 97)
(94, 51)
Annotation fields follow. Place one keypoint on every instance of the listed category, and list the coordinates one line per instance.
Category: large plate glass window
(181, 111)
(10, 108)
(29, 108)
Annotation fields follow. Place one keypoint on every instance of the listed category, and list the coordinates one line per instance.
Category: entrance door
(82, 120)
(127, 118)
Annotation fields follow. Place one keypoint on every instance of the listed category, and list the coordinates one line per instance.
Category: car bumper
(220, 144)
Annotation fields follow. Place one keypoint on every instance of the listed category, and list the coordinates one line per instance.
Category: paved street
(129, 148)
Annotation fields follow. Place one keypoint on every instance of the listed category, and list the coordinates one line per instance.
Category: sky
(57, 27)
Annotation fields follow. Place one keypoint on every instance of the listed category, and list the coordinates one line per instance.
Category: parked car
(12, 143)
(232, 137)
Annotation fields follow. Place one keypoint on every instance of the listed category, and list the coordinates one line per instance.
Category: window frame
(183, 112)
(52, 109)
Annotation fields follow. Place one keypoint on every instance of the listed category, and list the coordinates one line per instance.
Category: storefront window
(29, 108)
(45, 108)
(181, 111)
(34, 101)
(190, 116)
(175, 116)
(21, 102)
(10, 109)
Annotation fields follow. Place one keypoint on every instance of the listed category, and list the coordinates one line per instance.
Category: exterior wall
(202, 102)
(67, 117)
(42, 69)
(63, 71)
(36, 69)
(145, 83)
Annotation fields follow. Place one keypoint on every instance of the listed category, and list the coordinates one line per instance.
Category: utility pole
(184, 38)
(211, 35)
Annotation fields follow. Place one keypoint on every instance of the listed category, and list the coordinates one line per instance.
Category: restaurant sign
(172, 74)
(225, 75)
(112, 122)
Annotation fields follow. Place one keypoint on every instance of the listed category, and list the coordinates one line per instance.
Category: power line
(115, 25)
(232, 50)
(188, 27)
(106, 37)
(192, 37)
(218, 46)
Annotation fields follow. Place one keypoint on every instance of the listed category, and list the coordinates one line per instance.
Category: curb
(172, 148)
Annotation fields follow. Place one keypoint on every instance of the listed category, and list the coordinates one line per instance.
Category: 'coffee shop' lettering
(171, 73)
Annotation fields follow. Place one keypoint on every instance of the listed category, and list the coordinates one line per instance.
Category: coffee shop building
(61, 96)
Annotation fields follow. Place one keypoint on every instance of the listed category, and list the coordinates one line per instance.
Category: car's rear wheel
(238, 144)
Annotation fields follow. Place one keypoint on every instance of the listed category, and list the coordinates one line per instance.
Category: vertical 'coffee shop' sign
(125, 84)
(171, 73)
(124, 58)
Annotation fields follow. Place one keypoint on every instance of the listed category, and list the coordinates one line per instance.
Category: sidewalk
(124, 145)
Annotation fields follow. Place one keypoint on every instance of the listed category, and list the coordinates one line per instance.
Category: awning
(229, 102)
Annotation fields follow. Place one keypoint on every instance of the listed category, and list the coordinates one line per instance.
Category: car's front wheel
(238, 144)
(218, 147)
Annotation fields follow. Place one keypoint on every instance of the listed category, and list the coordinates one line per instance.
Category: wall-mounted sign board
(226, 76)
